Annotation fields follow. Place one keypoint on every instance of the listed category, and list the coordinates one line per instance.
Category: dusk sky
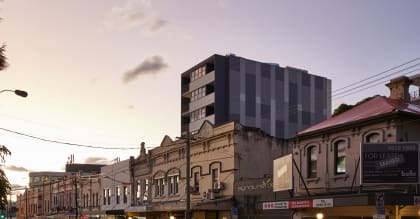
(107, 72)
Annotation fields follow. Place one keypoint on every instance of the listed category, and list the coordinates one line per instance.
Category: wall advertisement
(390, 163)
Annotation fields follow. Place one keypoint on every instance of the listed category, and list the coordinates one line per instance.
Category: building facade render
(280, 101)
(328, 163)
(231, 167)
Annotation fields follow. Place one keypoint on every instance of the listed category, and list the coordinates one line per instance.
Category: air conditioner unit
(219, 185)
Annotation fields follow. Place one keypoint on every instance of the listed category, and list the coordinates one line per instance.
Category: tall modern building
(278, 100)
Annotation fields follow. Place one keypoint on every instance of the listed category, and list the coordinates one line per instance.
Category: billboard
(389, 163)
(282, 173)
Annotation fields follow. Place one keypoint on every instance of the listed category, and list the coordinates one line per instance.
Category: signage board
(389, 163)
(282, 173)
(300, 204)
(275, 205)
(293, 204)
(323, 203)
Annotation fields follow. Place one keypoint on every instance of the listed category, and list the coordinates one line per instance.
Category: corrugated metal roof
(372, 108)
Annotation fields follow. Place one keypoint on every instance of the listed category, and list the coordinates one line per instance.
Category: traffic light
(2, 215)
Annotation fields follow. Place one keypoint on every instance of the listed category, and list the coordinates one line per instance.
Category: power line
(55, 127)
(369, 82)
(370, 77)
(365, 88)
(67, 143)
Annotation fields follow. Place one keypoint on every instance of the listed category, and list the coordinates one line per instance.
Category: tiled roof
(375, 107)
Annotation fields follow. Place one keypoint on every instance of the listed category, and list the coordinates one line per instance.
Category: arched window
(312, 153)
(373, 138)
(340, 157)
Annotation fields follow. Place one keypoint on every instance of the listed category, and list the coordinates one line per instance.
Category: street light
(319, 215)
(17, 92)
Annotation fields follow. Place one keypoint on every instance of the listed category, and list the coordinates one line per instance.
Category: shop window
(340, 157)
(159, 187)
(117, 194)
(196, 182)
(214, 177)
(125, 197)
(138, 191)
(107, 196)
(104, 195)
(146, 190)
(312, 153)
(173, 184)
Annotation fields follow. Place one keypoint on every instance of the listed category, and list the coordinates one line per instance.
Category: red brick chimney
(398, 88)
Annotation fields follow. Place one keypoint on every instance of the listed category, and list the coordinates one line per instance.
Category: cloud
(16, 168)
(135, 14)
(96, 160)
(151, 65)
(157, 25)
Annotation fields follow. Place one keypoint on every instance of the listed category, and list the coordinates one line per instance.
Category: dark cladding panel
(265, 70)
(319, 82)
(265, 111)
(293, 92)
(305, 95)
(250, 94)
(279, 96)
(265, 91)
(234, 63)
(293, 75)
(306, 118)
(279, 73)
(234, 94)
(250, 67)
(306, 79)
(279, 128)
(221, 88)
(293, 103)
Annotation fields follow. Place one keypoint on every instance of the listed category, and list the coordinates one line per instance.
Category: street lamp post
(17, 92)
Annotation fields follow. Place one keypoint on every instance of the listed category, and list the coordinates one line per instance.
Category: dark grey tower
(280, 101)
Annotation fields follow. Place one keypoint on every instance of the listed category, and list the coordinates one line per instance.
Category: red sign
(300, 204)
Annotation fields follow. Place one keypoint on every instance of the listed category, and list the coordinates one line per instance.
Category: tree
(3, 59)
(4, 182)
(344, 107)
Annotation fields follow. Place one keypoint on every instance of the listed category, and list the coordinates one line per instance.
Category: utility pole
(187, 151)
(75, 195)
(26, 203)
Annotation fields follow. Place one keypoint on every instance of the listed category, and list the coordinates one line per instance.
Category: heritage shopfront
(395, 205)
